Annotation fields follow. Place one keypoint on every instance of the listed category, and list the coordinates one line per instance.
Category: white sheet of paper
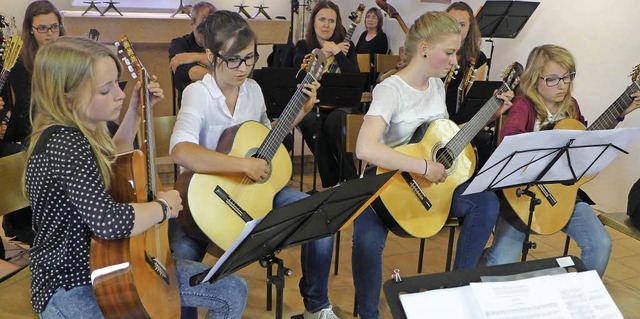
(456, 302)
(581, 154)
(248, 227)
(599, 297)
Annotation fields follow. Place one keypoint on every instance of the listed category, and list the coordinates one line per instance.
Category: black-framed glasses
(555, 80)
(44, 29)
(234, 62)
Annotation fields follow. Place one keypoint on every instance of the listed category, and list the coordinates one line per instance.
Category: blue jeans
(478, 212)
(315, 256)
(583, 226)
(225, 298)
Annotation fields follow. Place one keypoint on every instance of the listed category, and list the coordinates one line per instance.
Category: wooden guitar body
(549, 219)
(213, 216)
(400, 208)
(125, 282)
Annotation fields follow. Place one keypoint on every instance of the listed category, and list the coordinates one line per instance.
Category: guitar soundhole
(445, 157)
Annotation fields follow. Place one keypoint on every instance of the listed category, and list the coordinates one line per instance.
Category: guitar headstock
(315, 63)
(11, 52)
(356, 16)
(129, 57)
(389, 9)
(471, 72)
(93, 34)
(634, 74)
(511, 75)
(451, 75)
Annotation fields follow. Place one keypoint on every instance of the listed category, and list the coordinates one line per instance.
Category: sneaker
(325, 313)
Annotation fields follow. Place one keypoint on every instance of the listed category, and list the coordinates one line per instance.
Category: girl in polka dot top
(74, 92)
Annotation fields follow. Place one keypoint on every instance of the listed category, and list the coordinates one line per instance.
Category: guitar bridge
(233, 205)
(157, 266)
(422, 197)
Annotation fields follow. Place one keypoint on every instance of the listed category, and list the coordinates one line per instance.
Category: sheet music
(567, 296)
(506, 169)
(248, 227)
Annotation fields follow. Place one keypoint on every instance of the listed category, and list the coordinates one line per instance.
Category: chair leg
(421, 255)
(335, 267)
(355, 305)
(566, 245)
(452, 234)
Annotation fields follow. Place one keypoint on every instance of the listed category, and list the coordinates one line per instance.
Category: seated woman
(75, 91)
(322, 129)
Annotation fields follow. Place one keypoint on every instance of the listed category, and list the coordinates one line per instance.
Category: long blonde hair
(62, 86)
(538, 58)
(429, 27)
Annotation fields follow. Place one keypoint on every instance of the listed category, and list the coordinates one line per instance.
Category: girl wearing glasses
(42, 24)
(224, 98)
(322, 129)
(545, 97)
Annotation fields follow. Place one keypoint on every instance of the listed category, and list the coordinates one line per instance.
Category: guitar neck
(334, 66)
(4, 76)
(285, 122)
(148, 139)
(471, 129)
(609, 117)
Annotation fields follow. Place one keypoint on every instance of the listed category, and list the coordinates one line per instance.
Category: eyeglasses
(234, 62)
(555, 80)
(44, 29)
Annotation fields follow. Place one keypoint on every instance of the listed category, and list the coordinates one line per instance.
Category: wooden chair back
(12, 197)
(386, 62)
(353, 122)
(364, 62)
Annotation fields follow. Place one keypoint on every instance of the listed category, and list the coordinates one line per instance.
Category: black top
(185, 43)
(19, 126)
(70, 203)
(379, 44)
(452, 89)
(347, 63)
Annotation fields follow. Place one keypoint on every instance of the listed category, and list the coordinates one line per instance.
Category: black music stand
(503, 19)
(320, 215)
(548, 157)
(392, 289)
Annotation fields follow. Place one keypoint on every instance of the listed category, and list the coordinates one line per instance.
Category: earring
(424, 56)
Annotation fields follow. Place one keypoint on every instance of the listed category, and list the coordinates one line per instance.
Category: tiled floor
(622, 277)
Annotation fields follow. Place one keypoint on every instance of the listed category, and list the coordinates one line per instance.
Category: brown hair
(338, 33)
(471, 46)
(30, 46)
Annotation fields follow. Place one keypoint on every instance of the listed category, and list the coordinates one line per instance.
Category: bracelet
(426, 166)
(166, 209)
(620, 118)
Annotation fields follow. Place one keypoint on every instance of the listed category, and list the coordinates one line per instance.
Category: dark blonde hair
(62, 86)
(429, 27)
(310, 35)
(537, 60)
(471, 45)
(30, 46)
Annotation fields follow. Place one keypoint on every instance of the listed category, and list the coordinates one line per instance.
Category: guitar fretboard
(609, 117)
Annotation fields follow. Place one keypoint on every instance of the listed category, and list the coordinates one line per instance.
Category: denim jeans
(583, 226)
(315, 258)
(225, 298)
(478, 212)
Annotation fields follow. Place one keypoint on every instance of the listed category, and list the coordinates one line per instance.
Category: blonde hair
(62, 86)
(538, 58)
(430, 27)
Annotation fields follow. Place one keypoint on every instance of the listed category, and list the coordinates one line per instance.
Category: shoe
(325, 313)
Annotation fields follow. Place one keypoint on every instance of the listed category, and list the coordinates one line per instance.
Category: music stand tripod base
(242, 10)
(112, 6)
(92, 5)
(181, 9)
(261, 10)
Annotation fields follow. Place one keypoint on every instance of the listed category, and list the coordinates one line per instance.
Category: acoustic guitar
(10, 55)
(414, 207)
(135, 277)
(392, 12)
(356, 18)
(466, 81)
(220, 205)
(550, 218)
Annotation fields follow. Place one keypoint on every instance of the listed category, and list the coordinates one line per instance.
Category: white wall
(600, 35)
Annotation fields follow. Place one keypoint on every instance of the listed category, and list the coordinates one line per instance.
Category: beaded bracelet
(166, 209)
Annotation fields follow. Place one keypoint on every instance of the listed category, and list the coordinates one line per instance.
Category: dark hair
(471, 46)
(338, 32)
(220, 27)
(378, 13)
(30, 46)
(201, 7)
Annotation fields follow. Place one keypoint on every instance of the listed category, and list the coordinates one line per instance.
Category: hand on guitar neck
(330, 48)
